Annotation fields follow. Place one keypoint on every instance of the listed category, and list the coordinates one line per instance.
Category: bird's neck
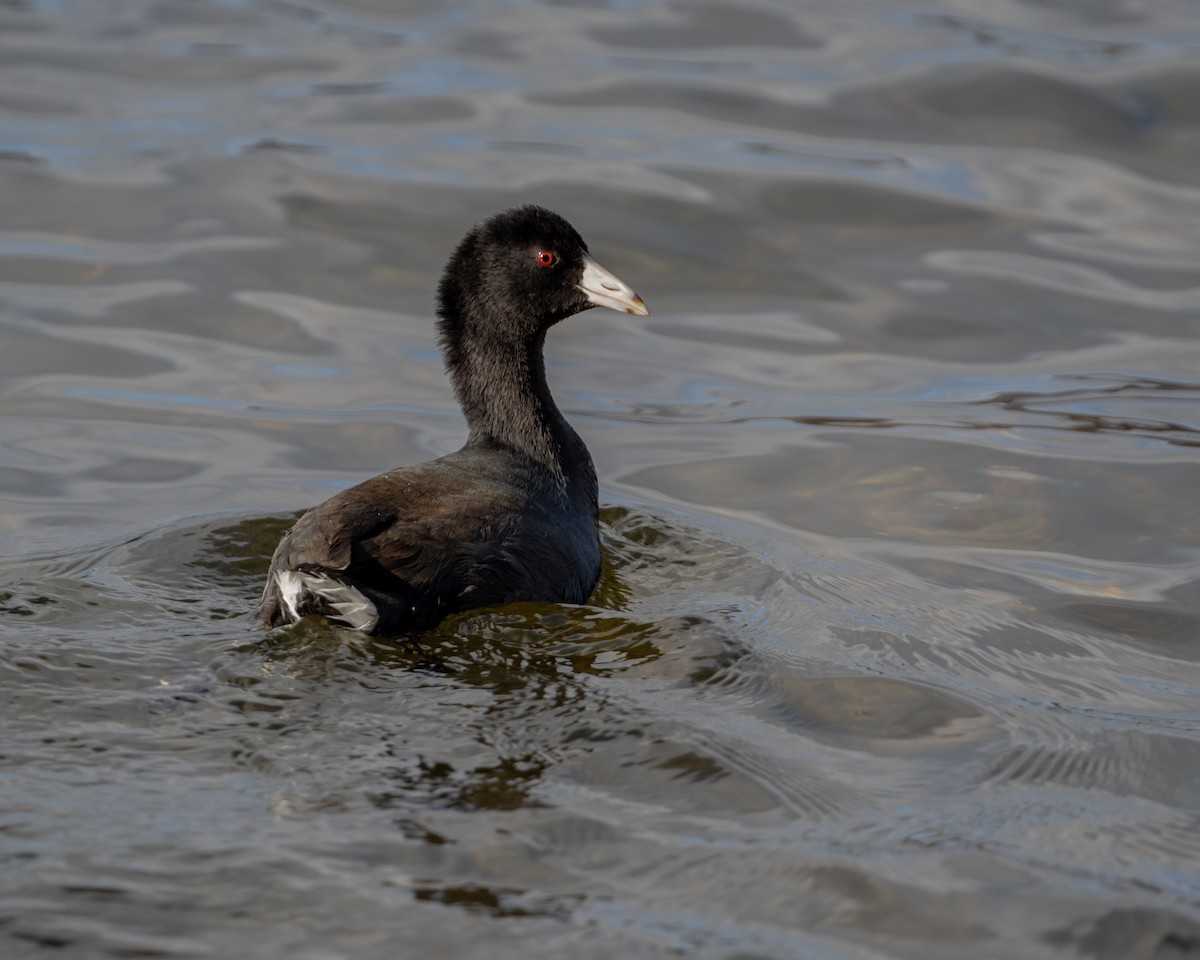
(505, 398)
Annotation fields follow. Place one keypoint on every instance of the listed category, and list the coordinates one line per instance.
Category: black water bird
(512, 515)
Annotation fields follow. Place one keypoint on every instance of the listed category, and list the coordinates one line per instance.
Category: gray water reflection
(894, 654)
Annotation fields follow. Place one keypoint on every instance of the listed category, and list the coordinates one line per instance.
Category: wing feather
(409, 558)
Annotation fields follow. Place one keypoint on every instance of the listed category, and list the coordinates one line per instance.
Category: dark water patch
(498, 902)
(1012, 40)
(1041, 503)
(404, 110)
(700, 25)
(1008, 665)
(1173, 92)
(708, 101)
(206, 67)
(1121, 763)
(990, 99)
(656, 557)
(33, 103)
(870, 707)
(222, 318)
(358, 447)
(349, 89)
(234, 556)
(144, 470)
(33, 351)
(15, 480)
(1119, 933)
(987, 100)
(1168, 630)
(181, 13)
(503, 785)
(491, 44)
(282, 146)
(42, 202)
(396, 230)
(18, 156)
(1098, 409)
(850, 207)
(939, 328)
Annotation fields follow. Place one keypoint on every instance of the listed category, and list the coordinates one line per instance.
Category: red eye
(546, 258)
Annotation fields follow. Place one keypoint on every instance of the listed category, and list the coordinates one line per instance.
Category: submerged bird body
(511, 516)
(402, 550)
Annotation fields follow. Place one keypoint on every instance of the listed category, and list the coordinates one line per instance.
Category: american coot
(513, 514)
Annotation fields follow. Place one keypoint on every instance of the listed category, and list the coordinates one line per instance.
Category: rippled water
(897, 649)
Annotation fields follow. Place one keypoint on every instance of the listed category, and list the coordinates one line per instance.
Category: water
(895, 653)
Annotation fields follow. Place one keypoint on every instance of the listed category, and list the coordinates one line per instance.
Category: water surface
(896, 649)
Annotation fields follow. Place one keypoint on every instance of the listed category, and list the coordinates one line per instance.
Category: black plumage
(512, 515)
